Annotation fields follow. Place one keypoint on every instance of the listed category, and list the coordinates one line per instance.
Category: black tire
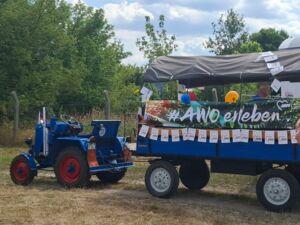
(295, 170)
(111, 177)
(20, 171)
(195, 175)
(71, 168)
(281, 179)
(169, 172)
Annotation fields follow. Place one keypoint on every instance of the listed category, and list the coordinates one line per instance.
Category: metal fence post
(16, 116)
(107, 105)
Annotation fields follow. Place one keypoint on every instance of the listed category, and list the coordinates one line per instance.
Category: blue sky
(190, 20)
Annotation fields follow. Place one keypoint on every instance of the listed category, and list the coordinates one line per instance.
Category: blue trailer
(276, 161)
(73, 156)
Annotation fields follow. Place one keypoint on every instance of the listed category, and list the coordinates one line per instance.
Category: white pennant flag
(175, 135)
(293, 136)
(236, 135)
(146, 94)
(185, 135)
(225, 136)
(202, 135)
(282, 137)
(164, 135)
(213, 136)
(144, 131)
(154, 134)
(245, 136)
(191, 134)
(269, 137)
(257, 135)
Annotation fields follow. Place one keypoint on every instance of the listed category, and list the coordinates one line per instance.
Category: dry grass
(228, 199)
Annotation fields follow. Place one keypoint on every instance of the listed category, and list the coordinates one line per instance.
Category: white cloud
(75, 1)
(190, 20)
(125, 12)
(187, 14)
(129, 38)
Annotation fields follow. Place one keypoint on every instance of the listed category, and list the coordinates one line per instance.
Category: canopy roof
(213, 70)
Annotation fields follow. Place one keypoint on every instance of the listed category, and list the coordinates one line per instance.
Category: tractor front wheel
(111, 177)
(71, 168)
(20, 171)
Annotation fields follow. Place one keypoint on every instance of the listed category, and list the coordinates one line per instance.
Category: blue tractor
(74, 156)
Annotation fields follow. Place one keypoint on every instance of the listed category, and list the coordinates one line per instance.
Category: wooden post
(107, 105)
(16, 116)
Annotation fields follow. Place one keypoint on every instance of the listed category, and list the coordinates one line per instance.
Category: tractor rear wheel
(111, 177)
(195, 175)
(20, 171)
(71, 168)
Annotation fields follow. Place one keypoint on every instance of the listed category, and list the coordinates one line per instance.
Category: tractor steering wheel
(71, 121)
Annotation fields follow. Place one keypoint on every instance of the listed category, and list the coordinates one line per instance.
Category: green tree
(250, 46)
(269, 38)
(125, 89)
(156, 43)
(229, 34)
(55, 54)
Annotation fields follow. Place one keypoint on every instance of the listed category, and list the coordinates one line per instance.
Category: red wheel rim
(20, 171)
(69, 169)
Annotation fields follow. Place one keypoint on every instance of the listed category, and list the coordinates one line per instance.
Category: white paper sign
(282, 137)
(191, 134)
(293, 136)
(264, 54)
(270, 58)
(140, 111)
(276, 70)
(146, 94)
(154, 134)
(273, 65)
(245, 136)
(185, 135)
(257, 135)
(236, 135)
(144, 131)
(276, 85)
(269, 137)
(225, 136)
(175, 135)
(202, 135)
(213, 136)
(164, 135)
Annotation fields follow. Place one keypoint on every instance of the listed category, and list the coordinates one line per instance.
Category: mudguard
(31, 161)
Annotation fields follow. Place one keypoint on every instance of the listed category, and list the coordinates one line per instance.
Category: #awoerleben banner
(259, 115)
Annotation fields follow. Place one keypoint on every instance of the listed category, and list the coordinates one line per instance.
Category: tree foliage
(156, 43)
(250, 46)
(269, 39)
(55, 54)
(228, 34)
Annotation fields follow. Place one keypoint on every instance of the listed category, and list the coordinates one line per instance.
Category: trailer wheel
(194, 176)
(277, 190)
(20, 171)
(71, 168)
(111, 177)
(295, 170)
(161, 179)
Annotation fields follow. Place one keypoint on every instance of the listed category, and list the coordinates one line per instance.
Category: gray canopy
(213, 70)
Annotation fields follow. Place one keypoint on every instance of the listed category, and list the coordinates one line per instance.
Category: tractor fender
(64, 142)
(31, 161)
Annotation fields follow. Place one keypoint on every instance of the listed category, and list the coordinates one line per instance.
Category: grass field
(228, 199)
